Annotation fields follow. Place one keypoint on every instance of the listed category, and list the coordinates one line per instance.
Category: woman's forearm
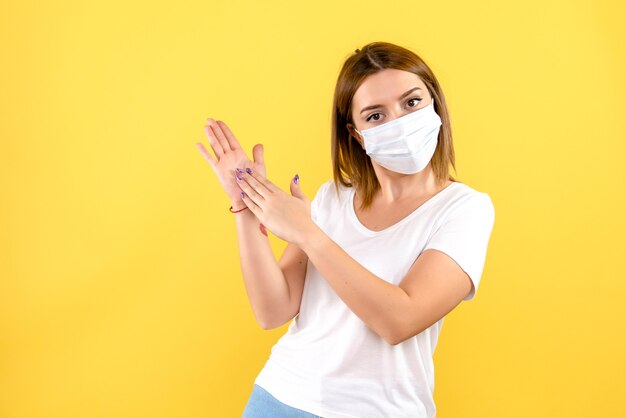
(382, 306)
(265, 282)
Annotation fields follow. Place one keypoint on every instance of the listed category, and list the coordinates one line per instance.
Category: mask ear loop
(357, 131)
(357, 139)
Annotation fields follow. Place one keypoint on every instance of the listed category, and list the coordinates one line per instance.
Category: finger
(215, 144)
(252, 193)
(217, 130)
(232, 141)
(264, 181)
(256, 209)
(254, 180)
(207, 155)
(296, 191)
(257, 154)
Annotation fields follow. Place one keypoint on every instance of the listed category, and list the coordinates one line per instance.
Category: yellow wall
(120, 289)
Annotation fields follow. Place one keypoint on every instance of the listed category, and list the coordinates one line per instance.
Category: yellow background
(120, 289)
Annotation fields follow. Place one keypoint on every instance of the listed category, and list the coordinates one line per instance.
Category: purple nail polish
(238, 178)
(242, 194)
(296, 179)
(248, 171)
(239, 170)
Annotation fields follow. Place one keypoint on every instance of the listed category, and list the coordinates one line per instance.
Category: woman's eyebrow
(400, 98)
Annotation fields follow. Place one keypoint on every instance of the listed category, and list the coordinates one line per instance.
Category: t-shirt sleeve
(318, 200)
(464, 236)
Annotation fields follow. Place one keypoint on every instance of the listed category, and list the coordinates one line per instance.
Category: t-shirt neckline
(402, 221)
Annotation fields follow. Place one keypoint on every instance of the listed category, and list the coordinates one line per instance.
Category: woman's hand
(286, 216)
(230, 156)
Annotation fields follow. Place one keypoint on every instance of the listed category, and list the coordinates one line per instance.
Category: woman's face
(385, 96)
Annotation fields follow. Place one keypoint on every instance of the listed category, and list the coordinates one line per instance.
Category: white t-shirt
(329, 363)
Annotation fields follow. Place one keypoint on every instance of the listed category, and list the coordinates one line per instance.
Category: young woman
(374, 262)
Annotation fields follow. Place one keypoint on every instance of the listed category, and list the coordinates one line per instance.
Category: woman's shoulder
(330, 196)
(327, 198)
(328, 188)
(463, 189)
(464, 197)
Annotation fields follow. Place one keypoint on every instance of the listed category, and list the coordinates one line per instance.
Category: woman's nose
(397, 114)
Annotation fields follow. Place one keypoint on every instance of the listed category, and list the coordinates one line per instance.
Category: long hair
(352, 167)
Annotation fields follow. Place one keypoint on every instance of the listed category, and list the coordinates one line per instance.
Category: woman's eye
(372, 116)
(414, 98)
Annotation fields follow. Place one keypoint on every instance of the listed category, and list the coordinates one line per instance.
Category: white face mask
(406, 144)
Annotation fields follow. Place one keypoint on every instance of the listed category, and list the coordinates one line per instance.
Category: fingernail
(238, 178)
(239, 170)
(242, 194)
(296, 179)
(248, 171)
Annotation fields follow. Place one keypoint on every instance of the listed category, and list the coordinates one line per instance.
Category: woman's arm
(433, 286)
(274, 289)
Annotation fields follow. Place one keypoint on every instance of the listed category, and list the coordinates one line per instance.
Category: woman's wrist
(238, 204)
(312, 236)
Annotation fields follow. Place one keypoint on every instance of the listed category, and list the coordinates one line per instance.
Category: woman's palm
(229, 156)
